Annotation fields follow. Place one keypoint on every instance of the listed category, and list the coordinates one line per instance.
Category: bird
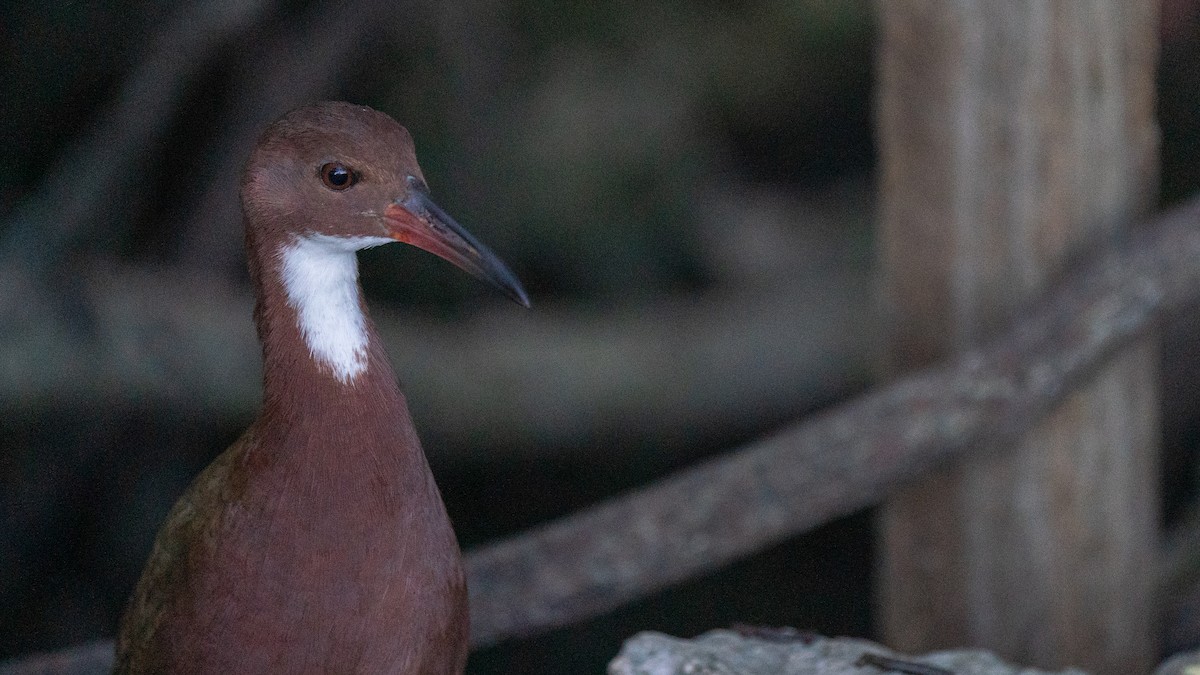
(318, 542)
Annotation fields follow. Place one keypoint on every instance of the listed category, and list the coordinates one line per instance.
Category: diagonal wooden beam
(843, 460)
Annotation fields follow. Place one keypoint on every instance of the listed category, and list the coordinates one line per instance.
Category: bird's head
(346, 176)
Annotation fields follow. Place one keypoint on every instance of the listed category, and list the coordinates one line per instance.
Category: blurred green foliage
(608, 119)
(576, 138)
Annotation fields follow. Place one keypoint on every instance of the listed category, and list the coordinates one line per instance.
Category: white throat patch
(320, 277)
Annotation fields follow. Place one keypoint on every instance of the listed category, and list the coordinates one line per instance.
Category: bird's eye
(338, 176)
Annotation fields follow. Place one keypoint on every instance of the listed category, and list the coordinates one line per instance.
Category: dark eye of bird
(337, 176)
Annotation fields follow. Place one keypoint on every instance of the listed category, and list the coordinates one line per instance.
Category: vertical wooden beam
(1013, 135)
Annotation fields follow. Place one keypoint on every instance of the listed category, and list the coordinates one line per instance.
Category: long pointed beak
(417, 220)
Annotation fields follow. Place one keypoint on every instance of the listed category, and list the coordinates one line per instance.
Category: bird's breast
(311, 565)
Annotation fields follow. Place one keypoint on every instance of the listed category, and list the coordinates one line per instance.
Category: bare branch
(840, 461)
(186, 341)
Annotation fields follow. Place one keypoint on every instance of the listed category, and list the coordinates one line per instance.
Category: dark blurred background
(684, 187)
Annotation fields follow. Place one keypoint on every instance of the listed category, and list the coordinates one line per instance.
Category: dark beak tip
(458, 246)
(519, 296)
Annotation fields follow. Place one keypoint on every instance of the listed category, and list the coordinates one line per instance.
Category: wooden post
(1013, 135)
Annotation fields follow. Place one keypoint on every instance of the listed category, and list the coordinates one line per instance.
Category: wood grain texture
(1012, 136)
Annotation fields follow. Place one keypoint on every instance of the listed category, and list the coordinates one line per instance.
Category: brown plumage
(318, 542)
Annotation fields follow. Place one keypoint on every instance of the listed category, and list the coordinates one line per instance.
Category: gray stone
(1186, 663)
(779, 652)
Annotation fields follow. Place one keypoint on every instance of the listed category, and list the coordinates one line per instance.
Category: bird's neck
(319, 345)
(334, 433)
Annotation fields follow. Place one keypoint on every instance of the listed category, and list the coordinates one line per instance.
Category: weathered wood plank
(1012, 135)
